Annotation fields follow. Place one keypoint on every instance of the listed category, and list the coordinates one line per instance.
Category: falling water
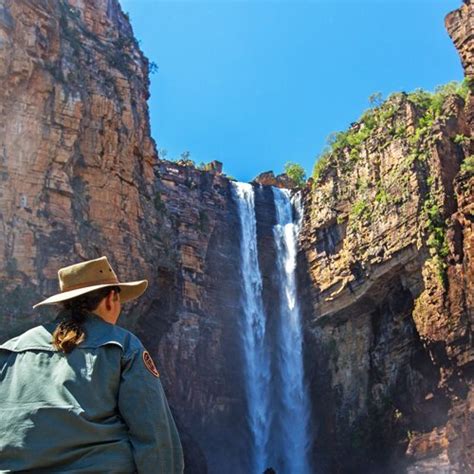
(294, 403)
(253, 330)
(278, 405)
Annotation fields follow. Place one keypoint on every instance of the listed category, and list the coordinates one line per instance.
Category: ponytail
(70, 331)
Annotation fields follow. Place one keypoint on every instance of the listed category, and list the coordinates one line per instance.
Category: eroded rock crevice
(385, 267)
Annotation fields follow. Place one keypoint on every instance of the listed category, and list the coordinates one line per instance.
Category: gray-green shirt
(100, 408)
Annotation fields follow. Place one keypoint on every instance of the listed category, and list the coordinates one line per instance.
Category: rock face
(268, 178)
(460, 26)
(199, 350)
(80, 178)
(385, 269)
(386, 274)
(76, 164)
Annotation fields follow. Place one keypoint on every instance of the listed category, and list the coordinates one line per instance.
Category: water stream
(253, 328)
(278, 405)
(294, 403)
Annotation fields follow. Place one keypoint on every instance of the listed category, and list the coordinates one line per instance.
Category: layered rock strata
(268, 178)
(385, 268)
(199, 346)
(76, 154)
(81, 178)
(386, 274)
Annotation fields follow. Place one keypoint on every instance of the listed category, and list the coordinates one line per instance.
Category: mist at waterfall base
(277, 400)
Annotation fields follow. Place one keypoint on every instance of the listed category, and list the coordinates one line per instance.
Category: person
(81, 394)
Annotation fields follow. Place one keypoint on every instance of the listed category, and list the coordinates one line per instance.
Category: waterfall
(278, 405)
(294, 405)
(253, 328)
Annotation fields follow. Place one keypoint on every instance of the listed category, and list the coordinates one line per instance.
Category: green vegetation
(353, 139)
(432, 105)
(434, 101)
(436, 228)
(296, 172)
(361, 185)
(461, 139)
(185, 156)
(376, 99)
(376, 129)
(354, 154)
(184, 159)
(435, 224)
(360, 209)
(205, 166)
(382, 196)
(400, 131)
(320, 166)
(467, 166)
(382, 115)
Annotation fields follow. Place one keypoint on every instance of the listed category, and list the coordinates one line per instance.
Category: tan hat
(91, 275)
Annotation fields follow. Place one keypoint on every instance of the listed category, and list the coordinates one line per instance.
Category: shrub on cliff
(467, 166)
(380, 117)
(320, 166)
(432, 102)
(296, 173)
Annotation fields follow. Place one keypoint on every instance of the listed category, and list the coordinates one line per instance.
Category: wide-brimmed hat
(91, 275)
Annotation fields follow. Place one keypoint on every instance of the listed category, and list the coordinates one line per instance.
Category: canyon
(385, 270)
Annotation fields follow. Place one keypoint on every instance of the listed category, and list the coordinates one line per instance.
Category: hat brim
(128, 291)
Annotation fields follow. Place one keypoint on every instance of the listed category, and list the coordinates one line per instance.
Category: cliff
(385, 267)
(76, 155)
(80, 178)
(386, 274)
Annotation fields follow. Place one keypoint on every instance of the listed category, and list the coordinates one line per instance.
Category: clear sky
(256, 84)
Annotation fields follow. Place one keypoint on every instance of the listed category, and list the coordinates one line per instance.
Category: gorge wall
(80, 178)
(386, 274)
(386, 285)
(77, 161)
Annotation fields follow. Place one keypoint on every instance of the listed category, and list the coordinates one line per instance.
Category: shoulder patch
(149, 364)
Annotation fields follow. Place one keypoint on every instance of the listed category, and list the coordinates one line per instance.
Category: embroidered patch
(149, 364)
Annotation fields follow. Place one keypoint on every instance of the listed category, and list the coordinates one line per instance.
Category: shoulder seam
(28, 348)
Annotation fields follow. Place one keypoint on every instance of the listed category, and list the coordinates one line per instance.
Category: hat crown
(84, 274)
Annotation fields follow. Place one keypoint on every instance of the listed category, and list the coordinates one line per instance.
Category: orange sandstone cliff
(385, 264)
(387, 280)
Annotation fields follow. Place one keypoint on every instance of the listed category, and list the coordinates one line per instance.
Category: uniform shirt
(100, 408)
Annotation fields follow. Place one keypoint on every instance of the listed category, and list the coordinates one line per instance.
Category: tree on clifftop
(296, 173)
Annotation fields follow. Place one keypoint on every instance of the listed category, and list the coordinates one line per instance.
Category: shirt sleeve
(143, 406)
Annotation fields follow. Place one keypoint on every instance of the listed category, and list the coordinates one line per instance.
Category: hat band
(85, 285)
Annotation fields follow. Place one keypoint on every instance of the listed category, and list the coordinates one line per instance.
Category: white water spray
(253, 328)
(278, 403)
(294, 402)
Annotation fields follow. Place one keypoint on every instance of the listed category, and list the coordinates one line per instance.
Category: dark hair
(69, 333)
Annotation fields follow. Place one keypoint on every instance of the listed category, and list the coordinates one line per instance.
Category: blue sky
(256, 84)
